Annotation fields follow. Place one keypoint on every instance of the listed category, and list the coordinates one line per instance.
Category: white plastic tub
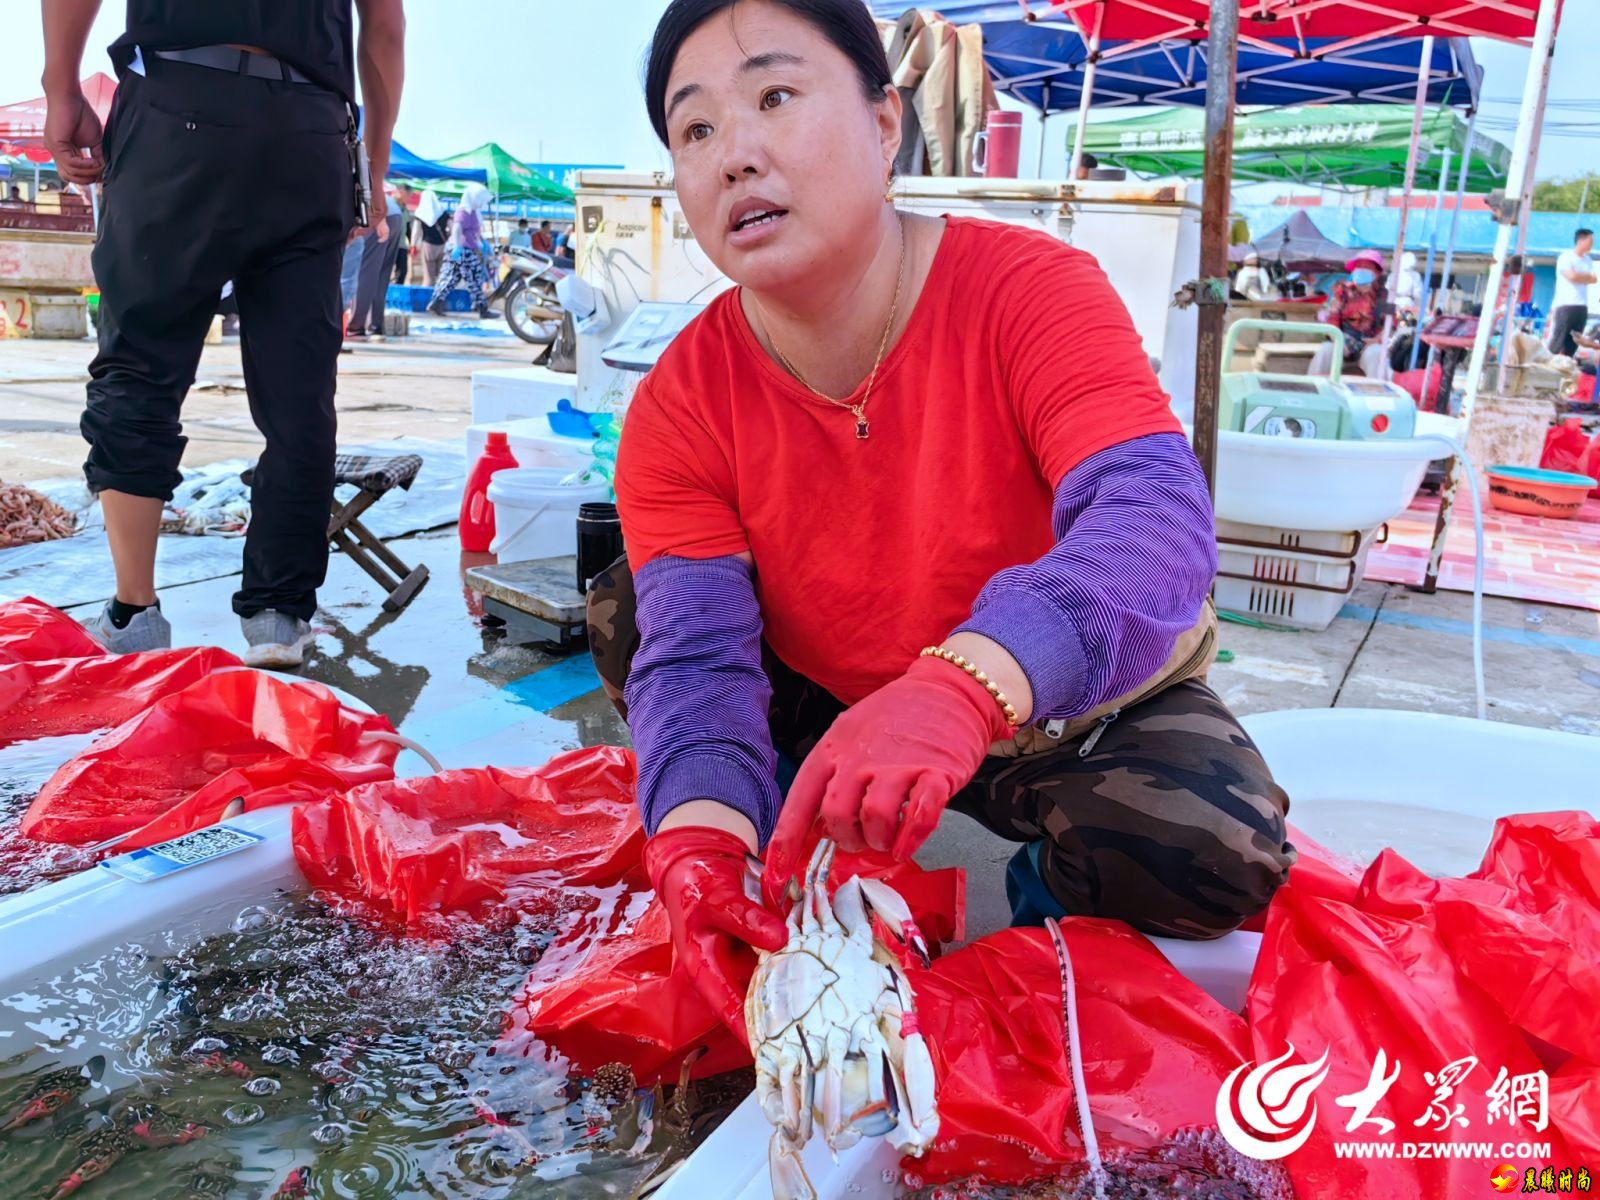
(532, 444)
(1294, 483)
(536, 514)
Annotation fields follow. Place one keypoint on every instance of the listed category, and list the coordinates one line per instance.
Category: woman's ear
(889, 111)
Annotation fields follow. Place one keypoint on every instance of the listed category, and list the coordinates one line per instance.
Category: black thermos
(599, 541)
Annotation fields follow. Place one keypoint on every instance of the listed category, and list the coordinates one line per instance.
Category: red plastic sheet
(30, 630)
(51, 697)
(462, 840)
(1496, 971)
(174, 767)
(608, 990)
(1155, 1050)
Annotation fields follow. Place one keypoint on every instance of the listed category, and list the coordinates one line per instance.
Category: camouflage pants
(1171, 822)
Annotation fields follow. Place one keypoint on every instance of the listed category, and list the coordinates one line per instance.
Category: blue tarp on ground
(1376, 228)
(1040, 63)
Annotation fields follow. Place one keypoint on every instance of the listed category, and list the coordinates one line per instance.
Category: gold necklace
(859, 411)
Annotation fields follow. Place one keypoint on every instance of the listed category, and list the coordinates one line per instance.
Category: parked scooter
(528, 293)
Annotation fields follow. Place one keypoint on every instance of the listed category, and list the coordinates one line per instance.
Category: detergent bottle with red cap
(477, 512)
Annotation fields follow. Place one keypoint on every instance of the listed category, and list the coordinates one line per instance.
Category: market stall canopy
(1040, 63)
(22, 123)
(507, 177)
(1348, 145)
(1296, 244)
(405, 165)
(1334, 23)
(1360, 227)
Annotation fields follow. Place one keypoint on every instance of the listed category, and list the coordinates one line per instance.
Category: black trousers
(1564, 322)
(212, 176)
(377, 265)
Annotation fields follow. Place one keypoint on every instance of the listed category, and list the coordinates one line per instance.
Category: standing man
(1569, 307)
(229, 154)
(378, 250)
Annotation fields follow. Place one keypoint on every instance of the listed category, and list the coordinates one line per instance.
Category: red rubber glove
(698, 874)
(882, 775)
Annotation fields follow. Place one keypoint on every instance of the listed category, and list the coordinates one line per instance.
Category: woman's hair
(846, 23)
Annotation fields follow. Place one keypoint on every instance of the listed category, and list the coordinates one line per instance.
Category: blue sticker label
(190, 850)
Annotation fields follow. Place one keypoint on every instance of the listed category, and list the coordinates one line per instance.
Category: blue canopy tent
(405, 165)
(1040, 63)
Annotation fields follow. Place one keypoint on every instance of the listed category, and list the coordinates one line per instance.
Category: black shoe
(436, 307)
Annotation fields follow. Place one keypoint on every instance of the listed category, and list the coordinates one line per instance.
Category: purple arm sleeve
(697, 694)
(1135, 554)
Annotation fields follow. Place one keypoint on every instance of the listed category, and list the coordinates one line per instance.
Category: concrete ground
(458, 689)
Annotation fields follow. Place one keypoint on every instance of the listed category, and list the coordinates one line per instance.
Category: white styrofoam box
(515, 393)
(533, 444)
(634, 245)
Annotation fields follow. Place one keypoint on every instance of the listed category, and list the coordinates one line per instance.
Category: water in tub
(24, 767)
(308, 1053)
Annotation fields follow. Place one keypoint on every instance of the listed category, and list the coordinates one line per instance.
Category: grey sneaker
(147, 630)
(277, 640)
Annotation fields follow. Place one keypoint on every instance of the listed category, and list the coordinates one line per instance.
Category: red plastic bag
(51, 697)
(1564, 446)
(1155, 1051)
(459, 840)
(1318, 870)
(30, 629)
(608, 990)
(1335, 980)
(172, 768)
(1590, 465)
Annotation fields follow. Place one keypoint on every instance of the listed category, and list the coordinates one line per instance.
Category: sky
(558, 81)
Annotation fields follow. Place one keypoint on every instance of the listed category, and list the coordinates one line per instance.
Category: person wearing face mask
(917, 515)
(1356, 307)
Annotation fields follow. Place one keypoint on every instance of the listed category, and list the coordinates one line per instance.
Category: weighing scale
(1321, 408)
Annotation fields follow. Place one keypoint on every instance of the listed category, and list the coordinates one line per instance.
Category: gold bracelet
(1013, 718)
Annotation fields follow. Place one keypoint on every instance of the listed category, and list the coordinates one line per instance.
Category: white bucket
(532, 444)
(536, 515)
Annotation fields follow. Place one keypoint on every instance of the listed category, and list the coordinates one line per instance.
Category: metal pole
(1424, 67)
(1519, 257)
(1044, 124)
(1086, 97)
(1427, 272)
(1455, 223)
(1583, 200)
(1222, 60)
(1524, 150)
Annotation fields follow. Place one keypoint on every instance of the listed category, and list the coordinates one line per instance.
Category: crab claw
(293, 1187)
(39, 1107)
(889, 905)
(89, 1169)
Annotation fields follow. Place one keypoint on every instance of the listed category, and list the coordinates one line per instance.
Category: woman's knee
(610, 610)
(1174, 824)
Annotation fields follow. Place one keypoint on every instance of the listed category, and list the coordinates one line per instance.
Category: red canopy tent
(22, 123)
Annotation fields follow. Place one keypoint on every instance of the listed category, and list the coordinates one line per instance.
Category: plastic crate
(415, 299)
(1236, 534)
(1279, 604)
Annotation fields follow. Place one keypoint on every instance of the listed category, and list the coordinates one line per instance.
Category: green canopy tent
(508, 178)
(1346, 145)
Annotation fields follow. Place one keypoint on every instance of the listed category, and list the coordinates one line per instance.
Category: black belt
(240, 62)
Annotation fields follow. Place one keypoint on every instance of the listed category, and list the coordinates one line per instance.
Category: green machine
(1321, 408)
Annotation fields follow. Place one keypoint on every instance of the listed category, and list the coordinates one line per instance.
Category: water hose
(406, 743)
(1080, 1092)
(1458, 451)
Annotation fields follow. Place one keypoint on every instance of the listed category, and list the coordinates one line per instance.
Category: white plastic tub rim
(1324, 486)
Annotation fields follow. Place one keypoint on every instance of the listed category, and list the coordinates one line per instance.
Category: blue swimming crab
(54, 1091)
(833, 1028)
(137, 1127)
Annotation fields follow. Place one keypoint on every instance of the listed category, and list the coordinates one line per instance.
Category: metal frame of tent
(1133, 24)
